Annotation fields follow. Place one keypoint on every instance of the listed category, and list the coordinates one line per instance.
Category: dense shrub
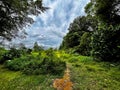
(2, 52)
(45, 66)
(10, 54)
(48, 64)
(18, 63)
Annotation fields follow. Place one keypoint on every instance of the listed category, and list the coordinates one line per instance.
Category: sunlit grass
(92, 75)
(10, 80)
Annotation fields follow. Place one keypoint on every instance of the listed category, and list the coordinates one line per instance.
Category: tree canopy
(15, 14)
(106, 39)
(79, 34)
(106, 11)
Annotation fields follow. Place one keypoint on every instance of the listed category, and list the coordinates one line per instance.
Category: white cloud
(50, 27)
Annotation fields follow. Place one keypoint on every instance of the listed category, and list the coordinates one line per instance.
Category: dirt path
(63, 83)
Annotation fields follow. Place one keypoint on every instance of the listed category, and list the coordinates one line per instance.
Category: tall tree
(15, 14)
(106, 11)
(76, 35)
(106, 40)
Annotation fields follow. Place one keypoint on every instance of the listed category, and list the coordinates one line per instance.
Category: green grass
(86, 74)
(10, 80)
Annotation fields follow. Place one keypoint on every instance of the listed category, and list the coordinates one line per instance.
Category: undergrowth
(45, 62)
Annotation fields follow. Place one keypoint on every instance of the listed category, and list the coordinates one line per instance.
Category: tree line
(97, 33)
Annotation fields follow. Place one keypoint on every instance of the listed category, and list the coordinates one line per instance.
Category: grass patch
(12, 80)
(87, 74)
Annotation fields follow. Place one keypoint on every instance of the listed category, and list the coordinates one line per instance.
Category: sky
(51, 26)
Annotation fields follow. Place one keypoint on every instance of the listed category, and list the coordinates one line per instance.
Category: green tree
(106, 39)
(79, 33)
(106, 42)
(105, 11)
(15, 14)
(36, 47)
(22, 49)
(85, 44)
(22, 46)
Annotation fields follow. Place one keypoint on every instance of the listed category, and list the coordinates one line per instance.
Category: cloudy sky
(50, 27)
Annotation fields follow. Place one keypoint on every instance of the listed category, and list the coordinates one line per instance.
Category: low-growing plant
(45, 66)
(18, 63)
(29, 64)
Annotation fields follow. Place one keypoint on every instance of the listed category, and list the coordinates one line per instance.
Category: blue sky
(51, 26)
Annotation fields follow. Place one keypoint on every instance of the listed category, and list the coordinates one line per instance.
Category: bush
(45, 66)
(10, 54)
(18, 63)
(2, 52)
(37, 65)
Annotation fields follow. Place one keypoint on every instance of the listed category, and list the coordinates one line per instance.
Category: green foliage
(105, 39)
(10, 54)
(78, 39)
(105, 43)
(73, 59)
(85, 45)
(85, 73)
(40, 64)
(18, 63)
(2, 52)
(97, 33)
(80, 59)
(36, 47)
(23, 50)
(107, 11)
(47, 66)
(72, 38)
(14, 15)
(89, 74)
(89, 9)
(10, 80)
